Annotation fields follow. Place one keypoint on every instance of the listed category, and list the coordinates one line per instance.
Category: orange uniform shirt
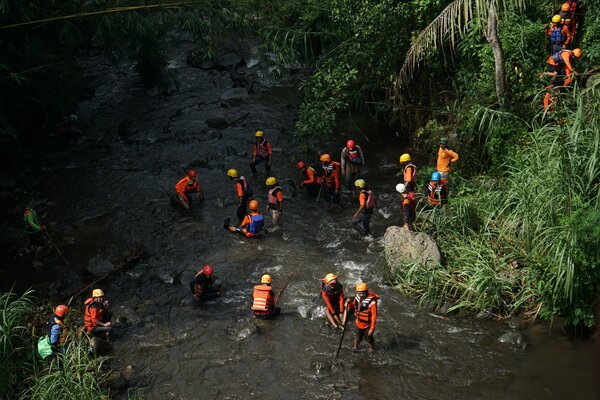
(445, 157)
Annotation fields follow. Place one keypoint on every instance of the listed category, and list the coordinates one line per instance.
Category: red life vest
(436, 193)
(354, 155)
(329, 172)
(262, 149)
(87, 314)
(370, 200)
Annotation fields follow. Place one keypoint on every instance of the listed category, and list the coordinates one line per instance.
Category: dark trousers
(329, 195)
(363, 219)
(242, 209)
(271, 314)
(258, 160)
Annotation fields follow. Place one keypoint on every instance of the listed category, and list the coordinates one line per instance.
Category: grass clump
(526, 240)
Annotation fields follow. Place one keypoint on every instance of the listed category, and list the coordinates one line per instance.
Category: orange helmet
(192, 174)
(300, 164)
(253, 205)
(361, 287)
(207, 270)
(325, 158)
(577, 53)
(61, 310)
(565, 7)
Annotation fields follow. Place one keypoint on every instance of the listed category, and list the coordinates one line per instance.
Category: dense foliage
(525, 239)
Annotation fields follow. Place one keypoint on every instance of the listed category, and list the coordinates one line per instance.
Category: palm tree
(453, 23)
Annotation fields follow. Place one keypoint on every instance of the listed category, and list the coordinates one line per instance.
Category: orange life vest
(362, 309)
(263, 297)
(410, 171)
(87, 314)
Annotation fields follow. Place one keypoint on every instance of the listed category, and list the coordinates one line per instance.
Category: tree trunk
(492, 38)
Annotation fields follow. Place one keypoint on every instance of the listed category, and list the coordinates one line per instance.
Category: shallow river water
(108, 191)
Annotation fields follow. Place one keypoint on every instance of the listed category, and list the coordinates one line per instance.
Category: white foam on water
(317, 312)
(384, 212)
(334, 245)
(303, 310)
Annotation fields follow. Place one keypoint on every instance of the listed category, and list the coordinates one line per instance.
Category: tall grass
(528, 239)
(23, 375)
(72, 375)
(14, 311)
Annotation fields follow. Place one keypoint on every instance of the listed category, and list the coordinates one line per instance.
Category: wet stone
(127, 128)
(101, 347)
(229, 60)
(216, 123)
(116, 381)
(234, 96)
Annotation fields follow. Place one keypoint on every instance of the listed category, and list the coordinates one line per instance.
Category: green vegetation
(23, 375)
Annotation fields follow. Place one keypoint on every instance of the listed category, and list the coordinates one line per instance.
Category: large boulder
(403, 245)
(234, 97)
(229, 60)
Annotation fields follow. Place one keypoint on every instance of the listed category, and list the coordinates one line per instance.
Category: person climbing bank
(364, 306)
(275, 200)
(251, 225)
(445, 157)
(186, 187)
(351, 161)
(409, 172)
(362, 216)
(263, 299)
(408, 205)
(561, 63)
(436, 192)
(558, 34)
(261, 152)
(243, 192)
(34, 230)
(203, 286)
(309, 178)
(332, 293)
(55, 340)
(96, 317)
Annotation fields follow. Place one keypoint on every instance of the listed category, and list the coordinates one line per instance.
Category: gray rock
(98, 265)
(234, 96)
(216, 122)
(403, 245)
(127, 128)
(229, 60)
(152, 92)
(116, 381)
(101, 347)
(128, 372)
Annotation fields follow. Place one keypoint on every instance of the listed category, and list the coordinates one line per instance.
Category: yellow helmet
(259, 134)
(577, 52)
(405, 157)
(556, 19)
(266, 278)
(325, 158)
(330, 277)
(360, 183)
(97, 293)
(271, 181)
(232, 173)
(361, 287)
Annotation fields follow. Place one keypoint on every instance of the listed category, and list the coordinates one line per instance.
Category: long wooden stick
(56, 248)
(280, 292)
(343, 333)
(235, 121)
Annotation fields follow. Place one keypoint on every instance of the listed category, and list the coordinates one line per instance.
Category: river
(109, 190)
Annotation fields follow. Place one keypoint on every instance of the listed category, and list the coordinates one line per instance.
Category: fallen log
(133, 253)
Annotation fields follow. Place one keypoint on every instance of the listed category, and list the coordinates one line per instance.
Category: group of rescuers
(322, 180)
(561, 33)
(97, 321)
(319, 180)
